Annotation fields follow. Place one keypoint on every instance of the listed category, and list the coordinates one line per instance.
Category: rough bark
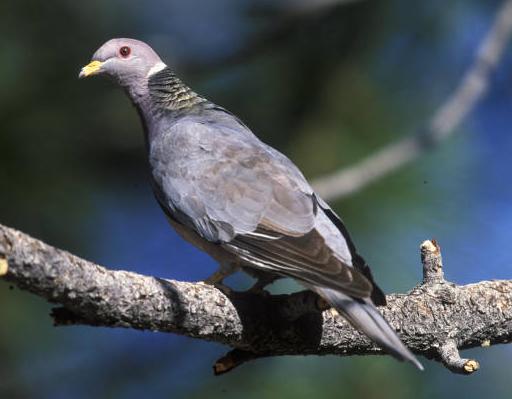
(434, 319)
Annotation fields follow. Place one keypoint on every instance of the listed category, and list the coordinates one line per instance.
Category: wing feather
(220, 180)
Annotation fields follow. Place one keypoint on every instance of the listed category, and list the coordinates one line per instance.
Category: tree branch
(442, 125)
(435, 319)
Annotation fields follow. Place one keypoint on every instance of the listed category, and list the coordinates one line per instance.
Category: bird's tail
(365, 317)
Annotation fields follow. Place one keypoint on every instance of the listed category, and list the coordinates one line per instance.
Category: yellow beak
(93, 68)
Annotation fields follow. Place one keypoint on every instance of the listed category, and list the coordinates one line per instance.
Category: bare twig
(433, 317)
(451, 359)
(443, 123)
(432, 262)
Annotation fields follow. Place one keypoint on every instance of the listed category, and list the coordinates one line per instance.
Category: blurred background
(325, 81)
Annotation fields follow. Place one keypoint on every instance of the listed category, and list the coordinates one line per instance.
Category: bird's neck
(168, 93)
(162, 95)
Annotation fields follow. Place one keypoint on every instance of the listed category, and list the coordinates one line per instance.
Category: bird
(238, 199)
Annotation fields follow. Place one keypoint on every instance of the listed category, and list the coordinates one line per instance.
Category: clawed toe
(255, 290)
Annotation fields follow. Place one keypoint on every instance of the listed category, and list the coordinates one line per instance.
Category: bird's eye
(125, 51)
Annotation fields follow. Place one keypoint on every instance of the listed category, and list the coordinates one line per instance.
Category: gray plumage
(238, 199)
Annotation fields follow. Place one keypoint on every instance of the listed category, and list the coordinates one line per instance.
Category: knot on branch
(233, 359)
(432, 262)
(434, 281)
(4, 266)
(450, 357)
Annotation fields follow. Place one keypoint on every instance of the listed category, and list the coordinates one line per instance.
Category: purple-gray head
(130, 62)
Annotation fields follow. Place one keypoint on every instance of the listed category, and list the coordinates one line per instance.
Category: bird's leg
(225, 269)
(263, 279)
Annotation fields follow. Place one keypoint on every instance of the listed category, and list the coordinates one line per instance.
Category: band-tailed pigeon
(238, 199)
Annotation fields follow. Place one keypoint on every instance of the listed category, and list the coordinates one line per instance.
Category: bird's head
(128, 61)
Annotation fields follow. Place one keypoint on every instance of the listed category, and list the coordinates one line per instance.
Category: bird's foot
(228, 291)
(322, 304)
(221, 287)
(216, 281)
(263, 280)
(258, 289)
(215, 278)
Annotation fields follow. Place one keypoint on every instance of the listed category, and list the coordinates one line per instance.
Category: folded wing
(232, 189)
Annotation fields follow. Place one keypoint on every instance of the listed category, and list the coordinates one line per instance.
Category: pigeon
(238, 199)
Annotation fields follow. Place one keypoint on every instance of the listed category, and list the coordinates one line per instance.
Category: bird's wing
(219, 179)
(378, 297)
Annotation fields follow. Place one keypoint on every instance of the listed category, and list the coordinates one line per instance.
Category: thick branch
(427, 318)
(442, 125)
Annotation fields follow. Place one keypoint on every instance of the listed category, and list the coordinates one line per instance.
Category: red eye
(125, 51)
